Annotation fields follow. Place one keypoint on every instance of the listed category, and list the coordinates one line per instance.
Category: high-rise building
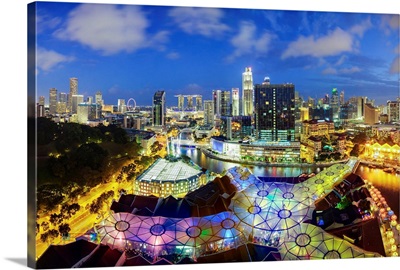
(41, 100)
(73, 90)
(190, 103)
(274, 112)
(99, 98)
(181, 102)
(159, 108)
(371, 114)
(225, 103)
(53, 101)
(76, 100)
(121, 105)
(208, 112)
(217, 102)
(235, 101)
(393, 110)
(199, 103)
(341, 98)
(247, 92)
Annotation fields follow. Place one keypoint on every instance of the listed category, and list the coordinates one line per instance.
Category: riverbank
(210, 154)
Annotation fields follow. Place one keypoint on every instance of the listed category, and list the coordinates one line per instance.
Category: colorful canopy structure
(307, 242)
(268, 214)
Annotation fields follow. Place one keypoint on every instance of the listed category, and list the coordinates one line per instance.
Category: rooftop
(165, 170)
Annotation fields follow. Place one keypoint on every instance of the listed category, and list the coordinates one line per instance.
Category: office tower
(311, 103)
(181, 102)
(371, 114)
(99, 98)
(85, 112)
(247, 92)
(53, 101)
(62, 103)
(341, 98)
(208, 113)
(199, 103)
(229, 127)
(274, 112)
(159, 109)
(217, 102)
(121, 105)
(393, 110)
(99, 103)
(73, 90)
(89, 99)
(334, 104)
(235, 101)
(41, 100)
(76, 99)
(225, 103)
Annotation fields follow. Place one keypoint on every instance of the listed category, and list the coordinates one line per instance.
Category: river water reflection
(387, 183)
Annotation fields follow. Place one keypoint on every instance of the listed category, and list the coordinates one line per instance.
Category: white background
(13, 89)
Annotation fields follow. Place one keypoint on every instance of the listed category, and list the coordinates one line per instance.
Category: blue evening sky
(131, 51)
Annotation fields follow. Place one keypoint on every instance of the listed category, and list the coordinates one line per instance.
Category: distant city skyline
(145, 49)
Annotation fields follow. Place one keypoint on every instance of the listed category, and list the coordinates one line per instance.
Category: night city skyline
(357, 53)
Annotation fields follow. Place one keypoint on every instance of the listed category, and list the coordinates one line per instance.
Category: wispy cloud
(173, 55)
(334, 71)
(201, 21)
(45, 22)
(48, 59)
(247, 42)
(110, 29)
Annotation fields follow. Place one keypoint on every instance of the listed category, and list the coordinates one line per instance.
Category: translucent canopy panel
(242, 177)
(116, 229)
(307, 241)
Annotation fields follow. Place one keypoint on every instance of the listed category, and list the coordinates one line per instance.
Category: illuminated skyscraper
(41, 100)
(53, 101)
(217, 102)
(208, 112)
(199, 103)
(247, 92)
(225, 103)
(121, 106)
(76, 100)
(73, 90)
(235, 101)
(159, 108)
(274, 112)
(181, 102)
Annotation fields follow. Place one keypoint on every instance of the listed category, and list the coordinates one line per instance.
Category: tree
(45, 225)
(64, 229)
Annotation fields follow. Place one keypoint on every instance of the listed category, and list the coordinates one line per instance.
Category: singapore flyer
(131, 105)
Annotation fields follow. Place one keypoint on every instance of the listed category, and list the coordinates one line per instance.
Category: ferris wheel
(131, 105)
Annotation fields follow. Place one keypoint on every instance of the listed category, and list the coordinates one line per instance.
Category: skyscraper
(275, 112)
(159, 108)
(199, 103)
(225, 103)
(247, 92)
(235, 101)
(76, 100)
(208, 112)
(73, 90)
(217, 102)
(53, 101)
(121, 105)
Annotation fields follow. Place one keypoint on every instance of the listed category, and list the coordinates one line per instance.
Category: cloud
(336, 42)
(389, 23)
(395, 67)
(202, 21)
(173, 55)
(333, 71)
(110, 29)
(360, 29)
(47, 59)
(246, 41)
(45, 22)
